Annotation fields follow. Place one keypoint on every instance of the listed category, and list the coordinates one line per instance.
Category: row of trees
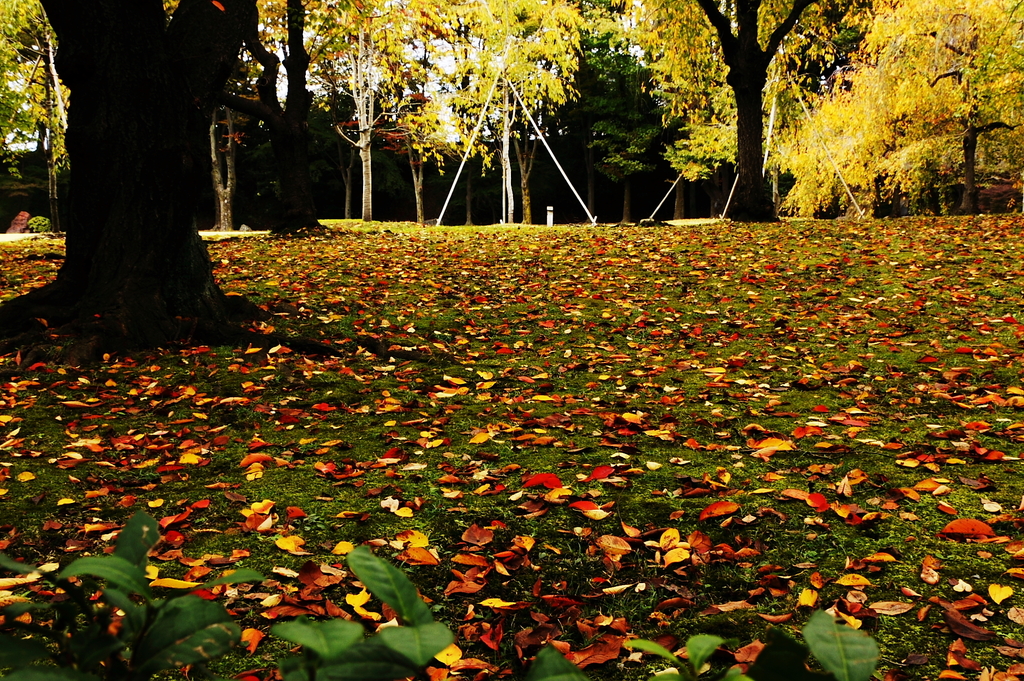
(692, 82)
(145, 79)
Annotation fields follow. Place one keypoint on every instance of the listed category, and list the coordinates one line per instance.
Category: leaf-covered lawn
(611, 432)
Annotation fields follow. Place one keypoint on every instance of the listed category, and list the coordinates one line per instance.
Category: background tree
(905, 120)
(288, 123)
(32, 107)
(223, 159)
(143, 87)
(744, 36)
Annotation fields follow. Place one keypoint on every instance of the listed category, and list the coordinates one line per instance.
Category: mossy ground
(870, 363)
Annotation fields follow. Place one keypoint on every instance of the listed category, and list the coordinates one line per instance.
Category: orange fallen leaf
(719, 509)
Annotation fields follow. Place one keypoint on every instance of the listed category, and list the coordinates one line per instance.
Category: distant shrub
(39, 224)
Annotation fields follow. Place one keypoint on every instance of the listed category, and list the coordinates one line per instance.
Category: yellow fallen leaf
(413, 538)
(19, 581)
(850, 620)
(404, 512)
(853, 580)
(65, 501)
(292, 544)
(480, 438)
(342, 548)
(497, 603)
(999, 593)
(189, 458)
(262, 507)
(449, 655)
(359, 599)
(152, 572)
(669, 539)
(156, 503)
(271, 601)
(174, 583)
(675, 556)
(25, 477)
(808, 598)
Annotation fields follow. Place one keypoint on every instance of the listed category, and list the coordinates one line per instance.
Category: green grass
(880, 354)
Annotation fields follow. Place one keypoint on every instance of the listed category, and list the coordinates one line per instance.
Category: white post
(551, 216)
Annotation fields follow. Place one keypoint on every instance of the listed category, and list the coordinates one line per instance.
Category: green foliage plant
(39, 224)
(846, 654)
(118, 631)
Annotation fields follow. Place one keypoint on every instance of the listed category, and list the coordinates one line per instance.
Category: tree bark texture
(136, 273)
(679, 209)
(526, 153)
(627, 200)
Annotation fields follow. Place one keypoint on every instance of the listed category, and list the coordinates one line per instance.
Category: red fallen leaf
(963, 627)
(294, 512)
(221, 8)
(475, 534)
(174, 519)
(323, 406)
(492, 637)
(964, 351)
(599, 473)
(927, 359)
(719, 509)
(549, 480)
(966, 528)
(821, 409)
(817, 501)
(201, 504)
(584, 505)
(604, 649)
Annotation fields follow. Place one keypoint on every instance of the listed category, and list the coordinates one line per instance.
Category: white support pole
(735, 181)
(667, 194)
(835, 166)
(593, 219)
(771, 129)
(469, 148)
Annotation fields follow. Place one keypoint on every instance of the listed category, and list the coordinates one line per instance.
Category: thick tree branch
(250, 107)
(266, 85)
(783, 29)
(955, 73)
(722, 25)
(997, 125)
(297, 62)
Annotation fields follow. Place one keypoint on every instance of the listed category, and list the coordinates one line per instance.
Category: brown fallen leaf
(964, 628)
(891, 607)
(477, 535)
(604, 649)
(929, 567)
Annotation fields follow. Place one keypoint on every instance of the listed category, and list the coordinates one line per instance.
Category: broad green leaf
(652, 647)
(49, 674)
(551, 665)
(387, 583)
(8, 563)
(328, 639)
(419, 644)
(18, 652)
(186, 630)
(137, 538)
(364, 671)
(850, 655)
(116, 570)
(700, 648)
(236, 577)
(783, 659)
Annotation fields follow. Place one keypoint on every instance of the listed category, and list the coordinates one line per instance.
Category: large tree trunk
(627, 200)
(136, 273)
(679, 210)
(748, 66)
(969, 202)
(750, 202)
(526, 153)
(509, 202)
(416, 165)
